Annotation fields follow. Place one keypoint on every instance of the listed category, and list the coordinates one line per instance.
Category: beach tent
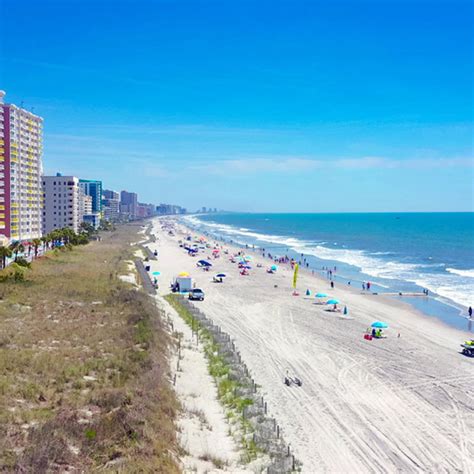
(184, 283)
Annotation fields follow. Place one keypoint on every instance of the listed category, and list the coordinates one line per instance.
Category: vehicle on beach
(196, 294)
(468, 348)
(292, 380)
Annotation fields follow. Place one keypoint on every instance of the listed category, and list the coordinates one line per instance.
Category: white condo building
(62, 203)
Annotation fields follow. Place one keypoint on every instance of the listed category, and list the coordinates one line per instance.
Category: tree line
(58, 238)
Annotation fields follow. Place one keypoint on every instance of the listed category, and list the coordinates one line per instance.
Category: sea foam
(453, 284)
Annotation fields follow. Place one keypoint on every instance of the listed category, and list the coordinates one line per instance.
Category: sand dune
(399, 404)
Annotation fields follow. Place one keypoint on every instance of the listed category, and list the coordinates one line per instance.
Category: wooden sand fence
(266, 433)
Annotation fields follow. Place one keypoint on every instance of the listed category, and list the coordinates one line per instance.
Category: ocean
(405, 252)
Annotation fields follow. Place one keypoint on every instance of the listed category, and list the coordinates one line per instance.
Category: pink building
(21, 150)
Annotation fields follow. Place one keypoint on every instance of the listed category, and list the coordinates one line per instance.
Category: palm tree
(36, 244)
(20, 249)
(5, 253)
(15, 247)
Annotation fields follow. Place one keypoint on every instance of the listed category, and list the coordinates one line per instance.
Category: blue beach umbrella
(205, 263)
(332, 302)
(221, 275)
(320, 295)
(274, 268)
(156, 273)
(380, 325)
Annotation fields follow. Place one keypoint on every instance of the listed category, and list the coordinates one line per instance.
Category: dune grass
(83, 367)
(227, 388)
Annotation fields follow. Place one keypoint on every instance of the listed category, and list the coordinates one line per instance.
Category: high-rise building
(129, 204)
(111, 205)
(93, 188)
(109, 194)
(146, 210)
(21, 150)
(168, 209)
(92, 212)
(85, 204)
(61, 203)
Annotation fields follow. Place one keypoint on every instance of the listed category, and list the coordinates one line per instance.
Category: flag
(295, 275)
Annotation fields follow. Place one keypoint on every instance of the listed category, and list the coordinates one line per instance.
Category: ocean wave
(454, 285)
(243, 232)
(463, 273)
(448, 287)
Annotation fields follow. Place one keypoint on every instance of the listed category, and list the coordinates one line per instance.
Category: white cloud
(248, 165)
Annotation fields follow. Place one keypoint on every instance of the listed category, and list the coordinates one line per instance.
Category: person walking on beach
(469, 311)
(332, 284)
(363, 286)
(368, 286)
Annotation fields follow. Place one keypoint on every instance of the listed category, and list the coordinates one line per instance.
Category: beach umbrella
(183, 274)
(248, 258)
(380, 325)
(320, 295)
(215, 251)
(220, 275)
(274, 268)
(333, 301)
(156, 273)
(205, 263)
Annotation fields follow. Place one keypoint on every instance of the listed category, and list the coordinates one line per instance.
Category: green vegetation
(227, 389)
(83, 365)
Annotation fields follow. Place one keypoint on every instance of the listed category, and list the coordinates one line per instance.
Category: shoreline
(382, 405)
(433, 312)
(390, 300)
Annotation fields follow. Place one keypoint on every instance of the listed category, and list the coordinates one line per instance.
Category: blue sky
(252, 105)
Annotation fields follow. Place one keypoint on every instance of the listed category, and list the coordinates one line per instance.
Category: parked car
(196, 294)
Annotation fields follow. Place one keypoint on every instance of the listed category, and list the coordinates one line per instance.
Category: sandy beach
(404, 403)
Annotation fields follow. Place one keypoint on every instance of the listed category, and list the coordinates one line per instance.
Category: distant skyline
(281, 106)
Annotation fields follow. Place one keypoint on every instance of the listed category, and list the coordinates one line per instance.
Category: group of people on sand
(376, 332)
